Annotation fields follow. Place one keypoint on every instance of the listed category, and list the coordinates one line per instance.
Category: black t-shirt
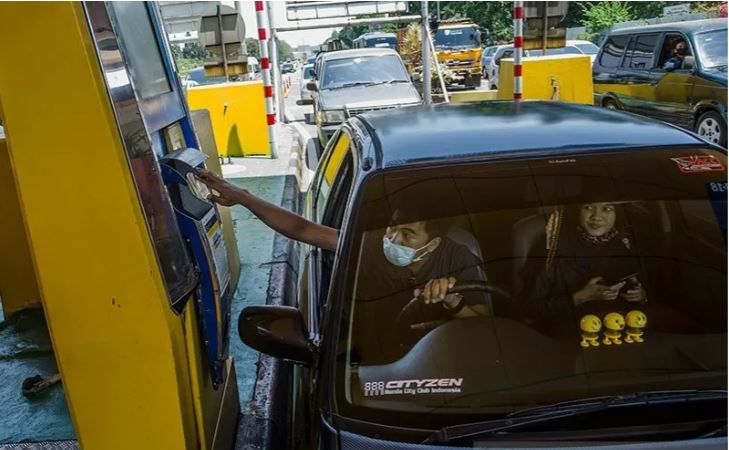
(381, 332)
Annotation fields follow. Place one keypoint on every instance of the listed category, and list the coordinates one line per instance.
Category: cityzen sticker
(413, 387)
(698, 163)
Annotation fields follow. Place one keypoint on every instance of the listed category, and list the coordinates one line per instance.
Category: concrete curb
(261, 425)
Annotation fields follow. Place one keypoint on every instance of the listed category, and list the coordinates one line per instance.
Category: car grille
(356, 111)
(459, 63)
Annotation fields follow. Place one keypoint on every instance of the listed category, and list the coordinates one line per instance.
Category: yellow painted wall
(18, 284)
(571, 74)
(120, 348)
(238, 114)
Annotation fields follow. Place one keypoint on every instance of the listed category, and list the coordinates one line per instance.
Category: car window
(712, 48)
(612, 51)
(654, 221)
(338, 73)
(668, 48)
(641, 51)
(588, 48)
(309, 72)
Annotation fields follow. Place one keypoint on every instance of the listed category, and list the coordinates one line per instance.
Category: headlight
(334, 116)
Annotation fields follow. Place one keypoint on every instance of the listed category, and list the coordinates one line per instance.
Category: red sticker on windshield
(698, 163)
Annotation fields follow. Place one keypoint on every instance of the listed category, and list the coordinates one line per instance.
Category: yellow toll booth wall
(566, 78)
(18, 283)
(238, 114)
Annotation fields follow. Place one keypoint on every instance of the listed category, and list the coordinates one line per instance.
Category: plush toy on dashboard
(635, 321)
(614, 324)
(590, 326)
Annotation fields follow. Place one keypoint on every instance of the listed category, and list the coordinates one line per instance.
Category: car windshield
(570, 278)
(712, 48)
(362, 70)
(588, 48)
(383, 42)
(466, 37)
(198, 76)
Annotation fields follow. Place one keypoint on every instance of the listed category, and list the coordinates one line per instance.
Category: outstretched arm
(282, 220)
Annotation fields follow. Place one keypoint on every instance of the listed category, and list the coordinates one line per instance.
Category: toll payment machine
(126, 266)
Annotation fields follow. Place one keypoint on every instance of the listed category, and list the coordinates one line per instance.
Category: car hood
(368, 96)
(716, 75)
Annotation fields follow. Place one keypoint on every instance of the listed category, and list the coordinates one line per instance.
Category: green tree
(284, 50)
(600, 16)
(193, 50)
(253, 47)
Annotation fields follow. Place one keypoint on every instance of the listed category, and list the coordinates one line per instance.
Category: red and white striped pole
(266, 69)
(518, 47)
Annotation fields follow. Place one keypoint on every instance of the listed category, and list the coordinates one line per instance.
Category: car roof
(376, 34)
(353, 53)
(577, 41)
(413, 135)
(691, 26)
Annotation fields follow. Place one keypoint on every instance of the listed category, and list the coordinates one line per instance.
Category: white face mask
(401, 255)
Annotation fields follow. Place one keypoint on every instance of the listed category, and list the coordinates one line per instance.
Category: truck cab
(458, 46)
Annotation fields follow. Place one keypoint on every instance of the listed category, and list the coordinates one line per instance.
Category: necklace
(597, 240)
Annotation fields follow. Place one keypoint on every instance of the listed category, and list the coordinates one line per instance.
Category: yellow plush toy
(635, 321)
(614, 324)
(590, 326)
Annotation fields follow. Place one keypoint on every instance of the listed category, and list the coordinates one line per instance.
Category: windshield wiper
(356, 83)
(391, 82)
(559, 411)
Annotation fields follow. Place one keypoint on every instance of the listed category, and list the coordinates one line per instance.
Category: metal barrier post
(277, 82)
(266, 69)
(518, 47)
(427, 94)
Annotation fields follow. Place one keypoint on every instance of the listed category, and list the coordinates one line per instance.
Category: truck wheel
(711, 127)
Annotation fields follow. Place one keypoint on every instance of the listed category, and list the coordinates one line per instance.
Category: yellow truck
(458, 47)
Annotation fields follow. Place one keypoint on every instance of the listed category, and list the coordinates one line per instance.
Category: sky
(294, 38)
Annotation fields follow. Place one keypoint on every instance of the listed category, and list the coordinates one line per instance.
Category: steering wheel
(458, 288)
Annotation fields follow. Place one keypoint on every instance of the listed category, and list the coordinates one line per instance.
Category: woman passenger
(590, 262)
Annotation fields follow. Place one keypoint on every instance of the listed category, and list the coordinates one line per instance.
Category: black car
(492, 184)
(642, 70)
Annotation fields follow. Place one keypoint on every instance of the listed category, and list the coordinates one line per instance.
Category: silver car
(307, 74)
(350, 82)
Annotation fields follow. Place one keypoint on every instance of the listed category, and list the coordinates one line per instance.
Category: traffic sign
(683, 8)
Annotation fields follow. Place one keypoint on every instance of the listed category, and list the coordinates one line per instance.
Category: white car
(492, 74)
(307, 74)
(571, 48)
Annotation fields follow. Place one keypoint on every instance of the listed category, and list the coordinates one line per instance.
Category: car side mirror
(311, 85)
(415, 78)
(689, 63)
(278, 331)
(497, 61)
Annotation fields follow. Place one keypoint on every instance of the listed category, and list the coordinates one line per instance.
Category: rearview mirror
(278, 331)
(311, 85)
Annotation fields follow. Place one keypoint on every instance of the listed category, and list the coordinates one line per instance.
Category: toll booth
(117, 269)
